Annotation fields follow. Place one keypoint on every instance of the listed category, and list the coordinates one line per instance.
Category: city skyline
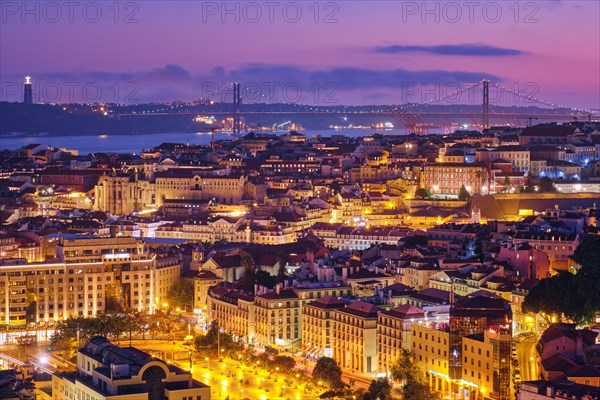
(275, 200)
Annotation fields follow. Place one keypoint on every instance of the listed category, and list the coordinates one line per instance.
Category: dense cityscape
(452, 266)
(382, 200)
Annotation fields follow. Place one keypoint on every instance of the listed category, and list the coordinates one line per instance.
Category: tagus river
(135, 143)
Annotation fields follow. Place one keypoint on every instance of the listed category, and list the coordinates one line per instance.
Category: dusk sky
(369, 50)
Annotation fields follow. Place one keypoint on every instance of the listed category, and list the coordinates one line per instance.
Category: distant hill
(78, 119)
(17, 118)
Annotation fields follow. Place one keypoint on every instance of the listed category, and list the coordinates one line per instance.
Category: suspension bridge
(482, 104)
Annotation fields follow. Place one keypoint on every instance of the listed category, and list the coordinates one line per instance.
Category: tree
(283, 259)
(422, 193)
(463, 194)
(417, 240)
(263, 278)
(546, 185)
(413, 385)
(418, 390)
(182, 294)
(403, 368)
(285, 363)
(550, 297)
(83, 329)
(335, 187)
(327, 371)
(249, 277)
(213, 340)
(588, 251)
(379, 389)
(31, 310)
(112, 301)
(576, 297)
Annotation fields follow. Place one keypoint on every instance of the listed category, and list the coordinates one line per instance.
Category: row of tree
(545, 185)
(424, 193)
(403, 370)
(77, 330)
(253, 275)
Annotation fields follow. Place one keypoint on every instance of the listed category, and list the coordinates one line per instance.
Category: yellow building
(202, 283)
(485, 374)
(106, 371)
(431, 346)
(394, 333)
(355, 337)
(317, 326)
(234, 311)
(272, 318)
(87, 275)
(278, 318)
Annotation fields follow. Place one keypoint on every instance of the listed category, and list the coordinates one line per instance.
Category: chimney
(278, 288)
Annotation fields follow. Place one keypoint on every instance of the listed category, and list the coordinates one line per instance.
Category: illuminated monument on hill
(28, 93)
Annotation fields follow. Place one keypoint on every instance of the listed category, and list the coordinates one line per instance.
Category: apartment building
(232, 229)
(431, 349)
(277, 166)
(486, 370)
(474, 315)
(203, 281)
(355, 337)
(394, 333)
(361, 238)
(88, 274)
(278, 318)
(278, 314)
(448, 178)
(317, 326)
(234, 311)
(557, 246)
(517, 155)
(475, 342)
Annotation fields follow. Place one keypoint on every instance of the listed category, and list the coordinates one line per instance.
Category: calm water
(135, 143)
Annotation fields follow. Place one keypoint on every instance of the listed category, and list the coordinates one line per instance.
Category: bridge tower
(237, 102)
(485, 120)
